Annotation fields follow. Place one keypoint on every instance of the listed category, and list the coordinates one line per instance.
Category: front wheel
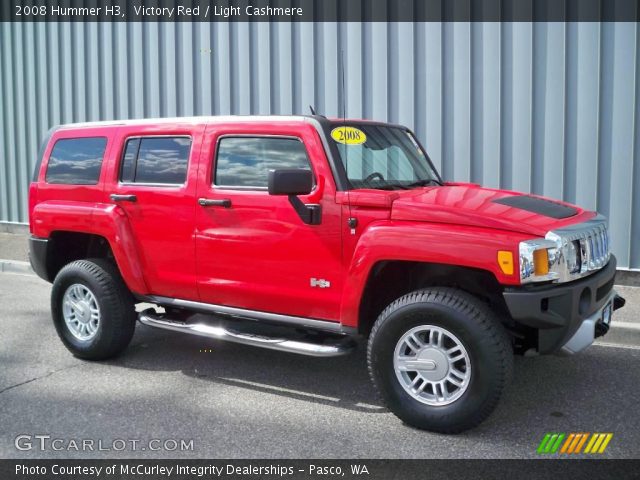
(439, 359)
(92, 309)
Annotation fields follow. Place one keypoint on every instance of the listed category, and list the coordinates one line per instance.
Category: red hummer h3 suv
(302, 234)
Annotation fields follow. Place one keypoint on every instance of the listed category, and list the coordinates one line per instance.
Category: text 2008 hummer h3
(302, 234)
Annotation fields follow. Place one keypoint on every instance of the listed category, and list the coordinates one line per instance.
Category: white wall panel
(549, 108)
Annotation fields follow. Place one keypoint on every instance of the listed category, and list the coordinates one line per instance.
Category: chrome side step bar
(341, 346)
(241, 313)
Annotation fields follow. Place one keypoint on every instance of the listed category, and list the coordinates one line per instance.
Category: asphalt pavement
(234, 401)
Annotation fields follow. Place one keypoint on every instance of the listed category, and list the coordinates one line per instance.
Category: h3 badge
(320, 283)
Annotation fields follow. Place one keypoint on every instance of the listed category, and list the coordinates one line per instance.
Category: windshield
(382, 157)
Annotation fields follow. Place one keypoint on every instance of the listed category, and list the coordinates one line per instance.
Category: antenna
(351, 221)
(344, 92)
(313, 112)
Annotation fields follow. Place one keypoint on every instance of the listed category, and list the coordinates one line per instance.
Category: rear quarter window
(76, 161)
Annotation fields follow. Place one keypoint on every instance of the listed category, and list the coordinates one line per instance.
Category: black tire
(116, 304)
(484, 338)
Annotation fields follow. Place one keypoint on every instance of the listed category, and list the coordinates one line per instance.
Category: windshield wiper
(403, 186)
(392, 186)
(424, 183)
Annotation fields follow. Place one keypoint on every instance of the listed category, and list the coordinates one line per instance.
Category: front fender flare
(438, 243)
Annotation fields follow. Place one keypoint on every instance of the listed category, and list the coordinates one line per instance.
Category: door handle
(123, 198)
(206, 202)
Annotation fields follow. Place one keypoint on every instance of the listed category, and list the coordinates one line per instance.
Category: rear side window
(246, 161)
(156, 160)
(76, 161)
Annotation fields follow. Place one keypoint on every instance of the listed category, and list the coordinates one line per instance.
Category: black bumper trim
(38, 256)
(557, 310)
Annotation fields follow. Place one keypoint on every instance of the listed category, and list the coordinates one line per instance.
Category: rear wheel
(92, 309)
(439, 359)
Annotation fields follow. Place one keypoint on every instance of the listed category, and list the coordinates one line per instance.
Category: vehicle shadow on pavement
(543, 388)
(337, 381)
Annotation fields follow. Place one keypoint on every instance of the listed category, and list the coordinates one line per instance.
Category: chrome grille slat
(597, 248)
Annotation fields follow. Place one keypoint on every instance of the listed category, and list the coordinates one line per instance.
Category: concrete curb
(622, 333)
(629, 278)
(16, 266)
(15, 228)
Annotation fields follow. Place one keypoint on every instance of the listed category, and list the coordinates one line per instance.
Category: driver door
(253, 250)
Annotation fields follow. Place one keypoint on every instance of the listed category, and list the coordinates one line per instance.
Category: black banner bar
(324, 469)
(319, 10)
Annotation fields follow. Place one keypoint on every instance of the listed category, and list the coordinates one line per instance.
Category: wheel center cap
(434, 364)
(83, 312)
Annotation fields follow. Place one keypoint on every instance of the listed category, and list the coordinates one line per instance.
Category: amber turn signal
(505, 260)
(541, 261)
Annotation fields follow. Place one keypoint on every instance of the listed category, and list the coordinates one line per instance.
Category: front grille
(594, 247)
(592, 238)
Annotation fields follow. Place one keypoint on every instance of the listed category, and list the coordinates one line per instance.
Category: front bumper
(565, 315)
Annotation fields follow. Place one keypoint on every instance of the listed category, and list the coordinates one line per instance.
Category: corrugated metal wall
(549, 108)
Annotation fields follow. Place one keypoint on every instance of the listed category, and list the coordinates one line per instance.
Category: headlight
(537, 258)
(543, 260)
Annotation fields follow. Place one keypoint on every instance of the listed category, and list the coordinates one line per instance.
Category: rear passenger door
(154, 183)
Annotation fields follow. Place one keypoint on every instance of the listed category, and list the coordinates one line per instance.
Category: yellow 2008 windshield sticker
(348, 135)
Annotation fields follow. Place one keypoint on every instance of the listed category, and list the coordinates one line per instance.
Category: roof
(195, 119)
(220, 119)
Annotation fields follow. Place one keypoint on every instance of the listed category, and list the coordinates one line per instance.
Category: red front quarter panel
(464, 246)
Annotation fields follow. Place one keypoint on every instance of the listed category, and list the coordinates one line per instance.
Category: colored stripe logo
(574, 443)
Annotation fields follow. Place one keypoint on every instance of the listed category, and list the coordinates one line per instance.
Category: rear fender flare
(106, 220)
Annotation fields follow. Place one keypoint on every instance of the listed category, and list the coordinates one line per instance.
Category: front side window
(156, 160)
(246, 161)
(76, 161)
(382, 157)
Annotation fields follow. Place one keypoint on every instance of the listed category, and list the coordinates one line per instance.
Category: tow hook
(601, 327)
(618, 302)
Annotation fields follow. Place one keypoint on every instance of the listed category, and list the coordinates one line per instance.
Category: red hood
(469, 204)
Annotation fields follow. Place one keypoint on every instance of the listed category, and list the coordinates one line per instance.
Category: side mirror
(293, 182)
(290, 181)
